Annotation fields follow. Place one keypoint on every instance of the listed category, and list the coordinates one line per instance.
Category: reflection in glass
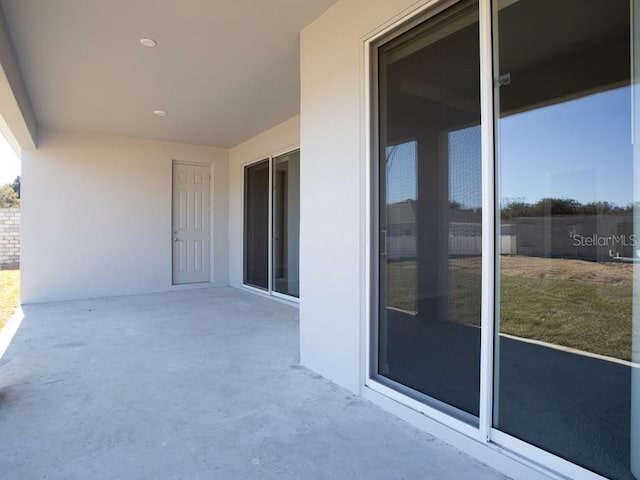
(256, 226)
(286, 223)
(567, 243)
(429, 212)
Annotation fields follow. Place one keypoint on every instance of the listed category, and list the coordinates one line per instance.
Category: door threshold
(191, 286)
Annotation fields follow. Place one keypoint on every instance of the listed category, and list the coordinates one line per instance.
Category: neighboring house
(243, 150)
(465, 235)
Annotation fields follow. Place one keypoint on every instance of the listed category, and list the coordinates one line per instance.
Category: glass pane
(563, 371)
(429, 211)
(256, 227)
(286, 223)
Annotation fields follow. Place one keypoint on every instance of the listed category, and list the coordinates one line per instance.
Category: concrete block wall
(9, 237)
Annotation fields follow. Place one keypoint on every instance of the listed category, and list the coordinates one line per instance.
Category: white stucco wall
(281, 138)
(332, 186)
(96, 215)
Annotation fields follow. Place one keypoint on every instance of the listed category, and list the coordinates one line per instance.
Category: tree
(8, 197)
(16, 186)
(561, 206)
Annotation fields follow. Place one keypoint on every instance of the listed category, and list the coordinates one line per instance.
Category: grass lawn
(590, 317)
(577, 304)
(9, 294)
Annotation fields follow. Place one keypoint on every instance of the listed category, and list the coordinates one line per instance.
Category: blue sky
(580, 149)
(401, 172)
(9, 163)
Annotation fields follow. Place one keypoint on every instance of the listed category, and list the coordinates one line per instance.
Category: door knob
(175, 239)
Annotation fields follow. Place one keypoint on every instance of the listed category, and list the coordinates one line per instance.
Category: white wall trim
(366, 198)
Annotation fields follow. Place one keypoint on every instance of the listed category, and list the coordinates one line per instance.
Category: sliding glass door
(272, 224)
(430, 212)
(256, 225)
(286, 223)
(540, 296)
(566, 166)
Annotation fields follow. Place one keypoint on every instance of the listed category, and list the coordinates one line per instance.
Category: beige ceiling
(224, 70)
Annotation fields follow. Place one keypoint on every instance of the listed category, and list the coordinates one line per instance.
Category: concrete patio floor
(195, 384)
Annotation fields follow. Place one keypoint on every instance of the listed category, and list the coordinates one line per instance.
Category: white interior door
(191, 233)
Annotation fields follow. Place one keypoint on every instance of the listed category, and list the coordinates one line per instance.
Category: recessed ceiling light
(160, 113)
(148, 42)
